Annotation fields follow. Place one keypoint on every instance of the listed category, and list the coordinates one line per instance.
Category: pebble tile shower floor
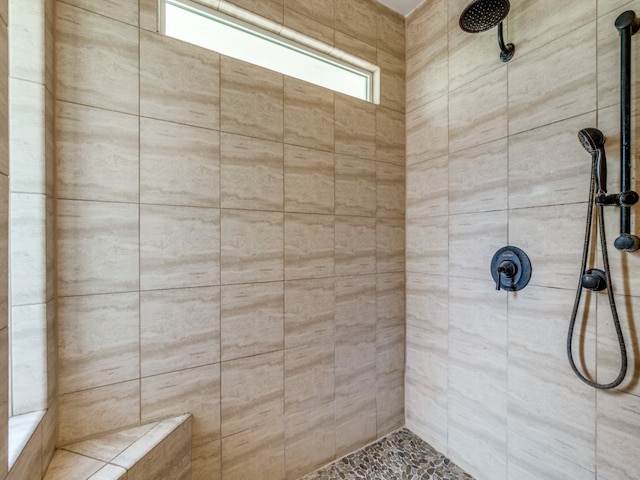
(398, 456)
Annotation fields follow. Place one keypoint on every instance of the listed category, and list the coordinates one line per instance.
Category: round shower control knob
(510, 269)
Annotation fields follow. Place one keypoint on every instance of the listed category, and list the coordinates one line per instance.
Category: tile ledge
(67, 461)
(21, 428)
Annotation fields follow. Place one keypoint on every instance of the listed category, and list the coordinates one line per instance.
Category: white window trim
(281, 34)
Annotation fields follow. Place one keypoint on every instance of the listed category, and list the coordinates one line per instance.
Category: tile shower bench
(155, 451)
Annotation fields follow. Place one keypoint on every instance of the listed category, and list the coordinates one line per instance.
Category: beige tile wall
(4, 233)
(230, 240)
(492, 160)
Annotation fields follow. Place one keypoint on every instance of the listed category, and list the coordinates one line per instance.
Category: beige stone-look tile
(109, 446)
(4, 396)
(28, 358)
(251, 173)
(309, 311)
(427, 249)
(308, 114)
(49, 427)
(608, 349)
(390, 379)
(122, 10)
(252, 393)
(206, 461)
(252, 319)
(149, 15)
(539, 23)
(179, 82)
(390, 136)
(427, 192)
(308, 246)
(355, 186)
(390, 190)
(355, 246)
(390, 245)
(478, 111)
(195, 390)
(426, 24)
(89, 412)
(97, 246)
(309, 440)
(28, 135)
(311, 27)
(164, 452)
(271, 9)
(179, 247)
(252, 100)
(478, 178)
(541, 232)
(179, 164)
(552, 414)
(27, 237)
(98, 340)
(308, 180)
(355, 46)
(321, 10)
(4, 251)
(392, 81)
(355, 127)
(308, 376)
(428, 131)
(90, 165)
(4, 11)
(71, 465)
(391, 31)
(477, 358)
(536, 98)
(357, 18)
(427, 73)
(179, 329)
(390, 299)
(96, 69)
(473, 240)
(50, 249)
(618, 419)
(255, 453)
(252, 246)
(110, 472)
(27, 465)
(541, 176)
(49, 44)
(356, 416)
(427, 298)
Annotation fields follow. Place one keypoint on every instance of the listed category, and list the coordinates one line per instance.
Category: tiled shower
(232, 242)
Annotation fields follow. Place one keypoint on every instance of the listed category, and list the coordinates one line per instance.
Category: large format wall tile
(428, 245)
(427, 188)
(195, 390)
(252, 246)
(96, 60)
(308, 246)
(179, 247)
(358, 19)
(252, 100)
(90, 165)
(428, 131)
(252, 319)
(355, 186)
(355, 127)
(355, 245)
(390, 241)
(251, 173)
(309, 185)
(308, 114)
(179, 82)
(252, 392)
(122, 10)
(179, 329)
(98, 247)
(179, 164)
(97, 340)
(392, 81)
(536, 98)
(309, 309)
(390, 190)
(390, 136)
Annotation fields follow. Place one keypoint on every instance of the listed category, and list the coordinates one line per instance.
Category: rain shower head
(591, 139)
(482, 15)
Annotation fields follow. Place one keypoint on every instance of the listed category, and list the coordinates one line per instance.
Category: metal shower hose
(612, 304)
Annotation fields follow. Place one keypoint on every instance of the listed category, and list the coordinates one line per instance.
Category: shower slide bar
(627, 25)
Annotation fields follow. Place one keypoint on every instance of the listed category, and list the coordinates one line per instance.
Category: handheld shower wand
(595, 279)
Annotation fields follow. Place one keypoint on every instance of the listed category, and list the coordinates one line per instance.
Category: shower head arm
(506, 50)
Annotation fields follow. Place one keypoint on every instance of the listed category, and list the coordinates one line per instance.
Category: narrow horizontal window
(229, 36)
